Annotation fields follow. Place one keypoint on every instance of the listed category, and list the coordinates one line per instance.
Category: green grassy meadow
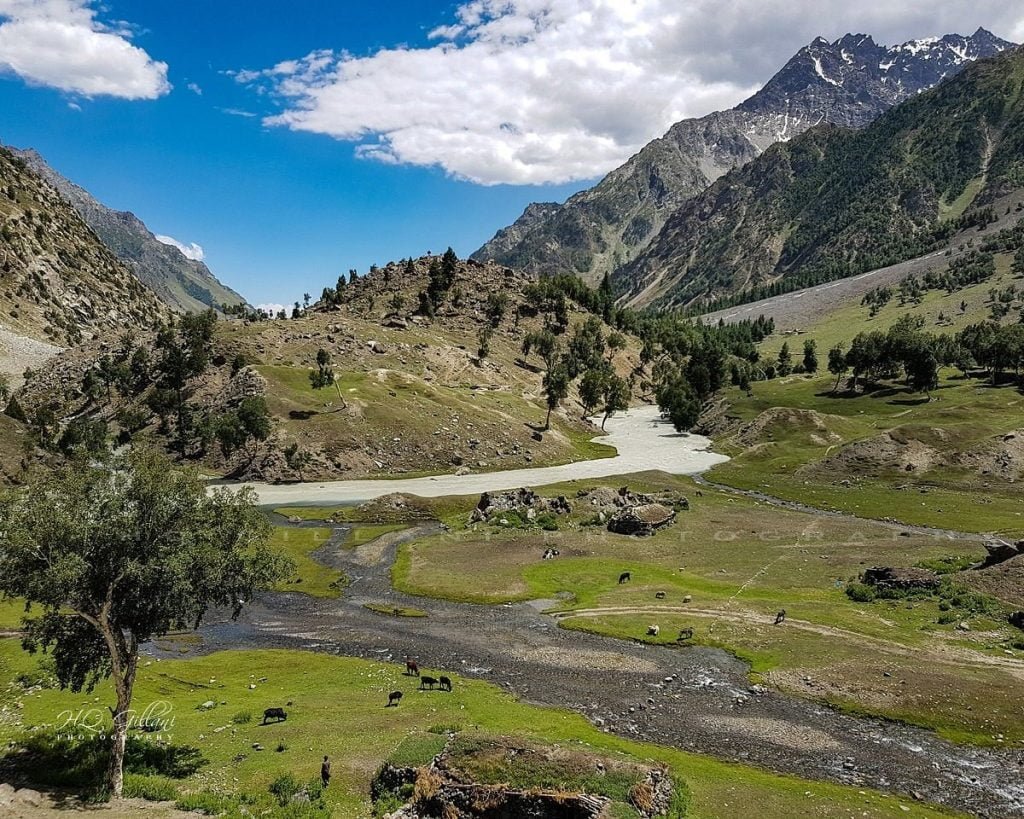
(338, 709)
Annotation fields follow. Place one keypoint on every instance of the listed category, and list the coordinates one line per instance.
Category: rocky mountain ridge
(835, 202)
(848, 82)
(183, 284)
(59, 285)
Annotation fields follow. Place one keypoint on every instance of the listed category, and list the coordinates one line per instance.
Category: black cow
(660, 595)
(394, 698)
(625, 577)
(685, 634)
(445, 684)
(1017, 619)
(427, 682)
(278, 714)
(780, 617)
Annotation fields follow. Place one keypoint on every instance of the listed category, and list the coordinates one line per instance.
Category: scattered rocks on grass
(524, 502)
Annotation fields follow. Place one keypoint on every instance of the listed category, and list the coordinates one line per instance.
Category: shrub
(861, 592)
(284, 788)
(242, 718)
(212, 804)
(150, 788)
(547, 521)
(947, 565)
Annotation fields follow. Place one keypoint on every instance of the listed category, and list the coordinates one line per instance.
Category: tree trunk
(119, 738)
(124, 660)
(547, 421)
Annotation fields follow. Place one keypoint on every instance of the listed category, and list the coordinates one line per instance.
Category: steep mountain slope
(848, 82)
(836, 202)
(412, 394)
(58, 283)
(180, 282)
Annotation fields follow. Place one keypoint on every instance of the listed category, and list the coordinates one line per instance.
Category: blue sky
(295, 141)
(277, 212)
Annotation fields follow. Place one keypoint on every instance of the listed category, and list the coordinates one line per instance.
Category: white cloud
(189, 251)
(237, 112)
(272, 308)
(537, 91)
(195, 88)
(62, 44)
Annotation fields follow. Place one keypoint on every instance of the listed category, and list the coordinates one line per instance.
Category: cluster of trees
(131, 383)
(994, 347)
(973, 267)
(905, 348)
(333, 296)
(587, 354)
(907, 351)
(440, 279)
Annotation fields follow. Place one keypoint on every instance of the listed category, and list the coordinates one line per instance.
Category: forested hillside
(834, 202)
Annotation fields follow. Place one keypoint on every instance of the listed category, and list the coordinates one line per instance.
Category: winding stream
(694, 698)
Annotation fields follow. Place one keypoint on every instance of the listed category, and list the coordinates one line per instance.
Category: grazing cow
(394, 698)
(660, 595)
(427, 682)
(685, 634)
(625, 577)
(780, 617)
(412, 668)
(652, 631)
(278, 714)
(445, 684)
(1017, 619)
(700, 494)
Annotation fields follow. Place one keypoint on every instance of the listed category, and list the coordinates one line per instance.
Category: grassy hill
(412, 393)
(951, 460)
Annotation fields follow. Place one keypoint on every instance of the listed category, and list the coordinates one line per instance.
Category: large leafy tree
(110, 556)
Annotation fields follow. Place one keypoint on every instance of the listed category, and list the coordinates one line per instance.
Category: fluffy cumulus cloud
(271, 308)
(189, 251)
(63, 44)
(539, 91)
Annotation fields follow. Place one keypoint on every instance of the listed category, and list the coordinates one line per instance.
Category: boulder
(999, 551)
(525, 502)
(641, 520)
(886, 577)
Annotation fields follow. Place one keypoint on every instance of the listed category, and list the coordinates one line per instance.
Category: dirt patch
(1004, 580)
(778, 732)
(888, 452)
(591, 659)
(1002, 457)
